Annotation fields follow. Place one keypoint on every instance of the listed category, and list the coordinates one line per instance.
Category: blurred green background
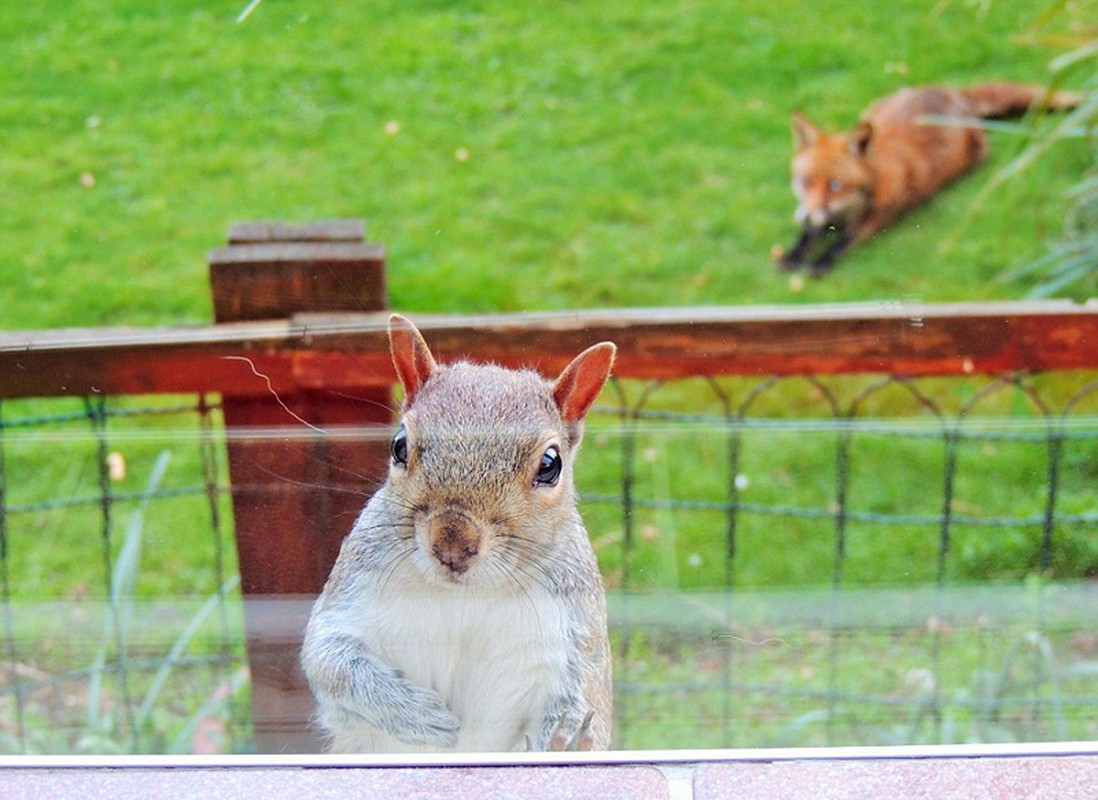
(511, 156)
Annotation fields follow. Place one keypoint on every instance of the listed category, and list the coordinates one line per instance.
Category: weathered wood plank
(294, 498)
(350, 350)
(272, 280)
(330, 230)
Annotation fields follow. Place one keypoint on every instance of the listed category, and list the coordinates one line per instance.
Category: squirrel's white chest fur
(496, 656)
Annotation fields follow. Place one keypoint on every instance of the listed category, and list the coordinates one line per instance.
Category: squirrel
(465, 611)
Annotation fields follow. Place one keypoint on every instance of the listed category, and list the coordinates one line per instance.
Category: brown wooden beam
(348, 350)
(294, 498)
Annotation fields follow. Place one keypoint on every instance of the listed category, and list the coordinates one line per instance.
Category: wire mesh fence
(790, 561)
(121, 610)
(810, 561)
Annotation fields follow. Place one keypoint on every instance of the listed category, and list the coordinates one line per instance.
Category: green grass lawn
(516, 156)
(511, 156)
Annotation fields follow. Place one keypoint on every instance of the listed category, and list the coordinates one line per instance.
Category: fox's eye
(399, 448)
(550, 468)
(834, 185)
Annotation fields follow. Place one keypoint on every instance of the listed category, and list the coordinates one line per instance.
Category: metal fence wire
(790, 561)
(853, 561)
(114, 642)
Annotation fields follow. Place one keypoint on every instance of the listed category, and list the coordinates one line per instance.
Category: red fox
(851, 185)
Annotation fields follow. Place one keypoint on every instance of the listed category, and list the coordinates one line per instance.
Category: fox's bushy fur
(850, 185)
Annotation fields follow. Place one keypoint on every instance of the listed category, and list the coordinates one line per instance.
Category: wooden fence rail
(300, 334)
(345, 349)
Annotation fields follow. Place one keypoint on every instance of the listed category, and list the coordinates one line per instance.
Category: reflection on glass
(788, 562)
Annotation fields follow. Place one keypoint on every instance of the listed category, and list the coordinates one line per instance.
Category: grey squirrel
(465, 611)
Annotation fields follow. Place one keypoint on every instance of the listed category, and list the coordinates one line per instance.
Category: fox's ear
(805, 132)
(411, 357)
(859, 138)
(577, 387)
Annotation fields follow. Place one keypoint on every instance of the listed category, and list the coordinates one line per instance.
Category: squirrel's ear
(805, 132)
(411, 356)
(582, 380)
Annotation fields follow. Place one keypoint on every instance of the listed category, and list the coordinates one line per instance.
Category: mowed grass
(515, 156)
(510, 156)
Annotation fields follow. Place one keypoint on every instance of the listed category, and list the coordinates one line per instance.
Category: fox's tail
(1004, 99)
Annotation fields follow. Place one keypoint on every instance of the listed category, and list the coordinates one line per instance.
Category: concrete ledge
(1062, 778)
(1062, 771)
(338, 783)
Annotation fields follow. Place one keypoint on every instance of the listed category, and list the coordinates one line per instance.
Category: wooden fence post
(295, 490)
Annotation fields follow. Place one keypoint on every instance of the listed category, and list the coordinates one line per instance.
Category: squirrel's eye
(550, 468)
(399, 448)
(834, 185)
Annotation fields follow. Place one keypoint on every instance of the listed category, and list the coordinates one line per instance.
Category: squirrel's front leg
(353, 687)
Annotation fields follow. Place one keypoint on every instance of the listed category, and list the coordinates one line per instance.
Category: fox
(851, 185)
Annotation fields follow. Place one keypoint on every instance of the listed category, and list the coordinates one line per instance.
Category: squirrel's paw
(580, 739)
(410, 713)
(421, 717)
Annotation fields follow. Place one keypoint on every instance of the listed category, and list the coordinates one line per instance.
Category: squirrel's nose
(455, 541)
